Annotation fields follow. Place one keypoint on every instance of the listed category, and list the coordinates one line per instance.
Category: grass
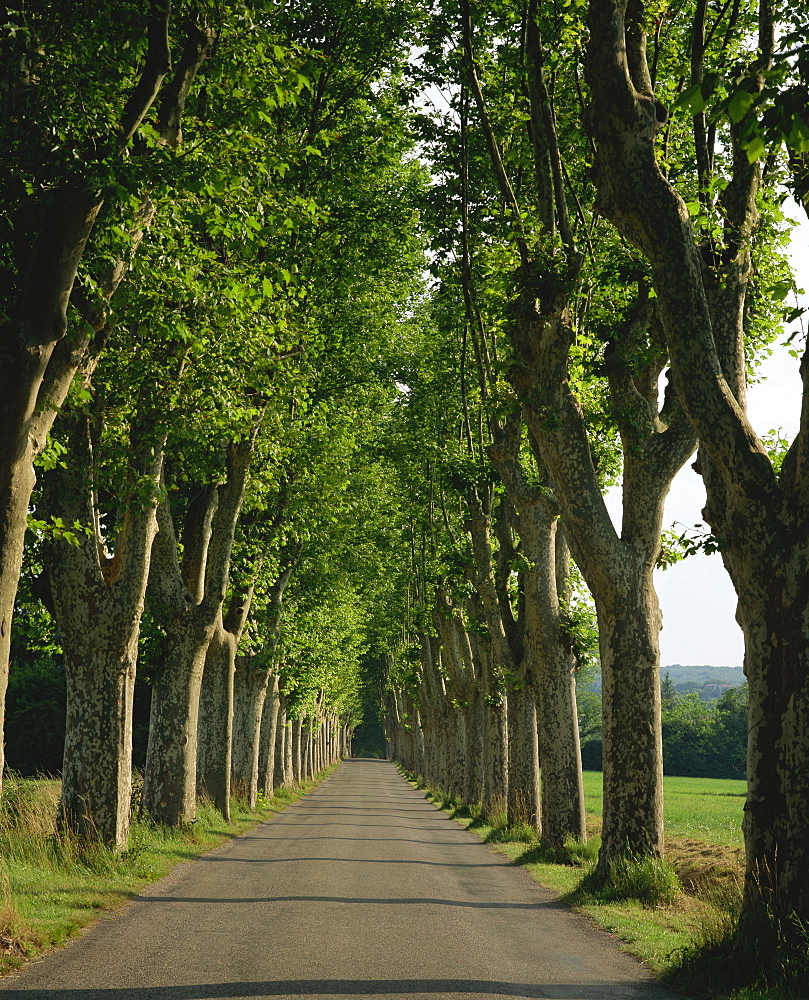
(679, 916)
(50, 888)
(704, 809)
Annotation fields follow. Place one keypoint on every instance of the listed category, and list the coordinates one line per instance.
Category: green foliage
(35, 716)
(581, 629)
(36, 694)
(706, 740)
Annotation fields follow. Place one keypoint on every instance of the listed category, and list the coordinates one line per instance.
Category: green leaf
(739, 105)
(755, 149)
(780, 290)
(693, 99)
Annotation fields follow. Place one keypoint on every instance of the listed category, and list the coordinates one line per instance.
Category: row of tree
(209, 239)
(606, 209)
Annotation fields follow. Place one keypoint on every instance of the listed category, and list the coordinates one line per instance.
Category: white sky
(696, 595)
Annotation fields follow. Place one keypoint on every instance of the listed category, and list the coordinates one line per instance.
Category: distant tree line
(701, 739)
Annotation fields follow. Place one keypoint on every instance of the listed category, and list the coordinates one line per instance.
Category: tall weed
(763, 955)
(648, 880)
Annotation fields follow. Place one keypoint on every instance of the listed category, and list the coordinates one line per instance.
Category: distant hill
(708, 682)
(688, 677)
(685, 674)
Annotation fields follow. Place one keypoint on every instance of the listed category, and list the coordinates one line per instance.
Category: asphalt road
(362, 888)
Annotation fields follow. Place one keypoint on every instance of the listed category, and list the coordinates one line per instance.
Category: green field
(708, 809)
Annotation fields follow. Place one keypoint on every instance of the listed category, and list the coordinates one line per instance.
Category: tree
(55, 195)
(756, 512)
(544, 287)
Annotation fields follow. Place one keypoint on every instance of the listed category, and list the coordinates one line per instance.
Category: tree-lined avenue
(360, 889)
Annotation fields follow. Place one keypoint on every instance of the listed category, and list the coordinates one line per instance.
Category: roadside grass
(51, 888)
(680, 914)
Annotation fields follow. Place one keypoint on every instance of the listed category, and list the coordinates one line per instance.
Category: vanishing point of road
(362, 888)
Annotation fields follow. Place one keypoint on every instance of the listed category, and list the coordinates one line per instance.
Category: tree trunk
(96, 794)
(170, 776)
(289, 770)
(553, 675)
(473, 790)
(38, 367)
(250, 691)
(190, 598)
(563, 813)
(306, 735)
(776, 815)
(495, 786)
(214, 750)
(97, 601)
(269, 729)
(633, 755)
(523, 758)
(280, 780)
(297, 727)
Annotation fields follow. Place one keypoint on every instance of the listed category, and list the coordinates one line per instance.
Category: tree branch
(157, 65)
(199, 45)
(636, 197)
(500, 174)
(231, 496)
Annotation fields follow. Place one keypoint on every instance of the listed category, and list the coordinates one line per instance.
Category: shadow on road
(352, 900)
(236, 859)
(360, 987)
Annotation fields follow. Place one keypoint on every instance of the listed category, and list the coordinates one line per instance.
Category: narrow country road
(362, 888)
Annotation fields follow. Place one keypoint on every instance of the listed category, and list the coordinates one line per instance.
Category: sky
(696, 595)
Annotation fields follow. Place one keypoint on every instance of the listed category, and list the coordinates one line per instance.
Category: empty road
(362, 888)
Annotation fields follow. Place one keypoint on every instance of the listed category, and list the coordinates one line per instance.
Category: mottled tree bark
(97, 600)
(280, 743)
(297, 726)
(495, 742)
(759, 517)
(214, 742)
(307, 766)
(188, 600)
(542, 696)
(251, 681)
(250, 691)
(473, 789)
(523, 757)
(216, 715)
(269, 729)
(289, 770)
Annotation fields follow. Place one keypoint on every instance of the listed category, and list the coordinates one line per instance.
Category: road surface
(362, 888)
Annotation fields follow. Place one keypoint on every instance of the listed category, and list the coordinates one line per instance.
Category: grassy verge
(50, 888)
(678, 916)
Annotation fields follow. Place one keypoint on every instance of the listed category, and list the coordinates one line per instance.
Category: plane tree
(94, 112)
(242, 232)
(706, 291)
(534, 261)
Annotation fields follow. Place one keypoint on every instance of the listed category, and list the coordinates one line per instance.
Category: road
(362, 888)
